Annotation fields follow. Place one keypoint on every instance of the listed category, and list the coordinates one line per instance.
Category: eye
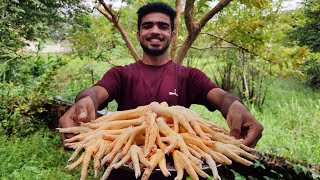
(146, 25)
(164, 26)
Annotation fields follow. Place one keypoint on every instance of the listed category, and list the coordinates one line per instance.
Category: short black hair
(156, 7)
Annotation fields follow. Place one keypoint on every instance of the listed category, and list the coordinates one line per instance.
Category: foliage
(101, 39)
(311, 68)
(32, 20)
(79, 74)
(308, 33)
(238, 44)
(290, 121)
(27, 85)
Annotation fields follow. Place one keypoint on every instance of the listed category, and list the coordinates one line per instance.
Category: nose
(155, 30)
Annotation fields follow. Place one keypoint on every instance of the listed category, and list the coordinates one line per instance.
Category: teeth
(155, 40)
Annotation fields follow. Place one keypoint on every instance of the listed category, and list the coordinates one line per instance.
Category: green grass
(38, 156)
(291, 118)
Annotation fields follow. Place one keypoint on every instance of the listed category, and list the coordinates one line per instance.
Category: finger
(254, 133)
(66, 136)
(252, 137)
(250, 140)
(91, 115)
(67, 120)
(235, 123)
(81, 113)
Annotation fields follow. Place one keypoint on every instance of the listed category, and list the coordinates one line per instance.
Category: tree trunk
(194, 27)
(185, 48)
(175, 42)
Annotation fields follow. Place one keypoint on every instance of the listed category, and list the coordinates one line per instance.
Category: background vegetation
(275, 52)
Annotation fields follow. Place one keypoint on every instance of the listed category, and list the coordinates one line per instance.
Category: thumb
(235, 123)
(81, 113)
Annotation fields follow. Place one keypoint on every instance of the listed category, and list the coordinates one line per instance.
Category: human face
(155, 33)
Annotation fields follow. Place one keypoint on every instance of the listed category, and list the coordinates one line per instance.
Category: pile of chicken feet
(141, 137)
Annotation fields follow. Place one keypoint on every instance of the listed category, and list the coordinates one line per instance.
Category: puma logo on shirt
(174, 93)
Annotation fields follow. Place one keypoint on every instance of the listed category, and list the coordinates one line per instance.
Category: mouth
(154, 39)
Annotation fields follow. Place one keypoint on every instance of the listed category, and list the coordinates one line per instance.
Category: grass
(291, 119)
(38, 156)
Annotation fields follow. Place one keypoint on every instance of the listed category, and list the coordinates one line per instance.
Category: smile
(154, 39)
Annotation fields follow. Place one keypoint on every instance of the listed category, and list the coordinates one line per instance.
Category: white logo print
(174, 93)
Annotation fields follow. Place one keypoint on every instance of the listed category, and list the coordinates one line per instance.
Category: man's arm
(241, 122)
(98, 95)
(84, 109)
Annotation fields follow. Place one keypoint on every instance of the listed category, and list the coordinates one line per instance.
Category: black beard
(154, 52)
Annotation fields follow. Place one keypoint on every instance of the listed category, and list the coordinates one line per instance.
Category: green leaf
(258, 164)
(201, 3)
(237, 176)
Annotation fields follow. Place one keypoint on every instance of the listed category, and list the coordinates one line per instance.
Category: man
(157, 78)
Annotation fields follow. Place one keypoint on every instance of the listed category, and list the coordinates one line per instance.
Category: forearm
(222, 100)
(97, 93)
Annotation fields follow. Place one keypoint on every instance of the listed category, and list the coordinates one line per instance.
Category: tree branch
(211, 47)
(244, 49)
(103, 12)
(189, 18)
(115, 20)
(213, 11)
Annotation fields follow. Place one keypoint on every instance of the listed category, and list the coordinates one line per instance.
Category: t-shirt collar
(163, 65)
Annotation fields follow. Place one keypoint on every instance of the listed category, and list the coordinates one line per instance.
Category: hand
(243, 125)
(82, 111)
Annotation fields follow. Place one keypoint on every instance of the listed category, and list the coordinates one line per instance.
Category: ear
(172, 34)
(138, 34)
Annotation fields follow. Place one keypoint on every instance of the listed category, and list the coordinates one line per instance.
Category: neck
(155, 60)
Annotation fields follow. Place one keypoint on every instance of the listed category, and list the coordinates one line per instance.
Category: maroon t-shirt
(140, 84)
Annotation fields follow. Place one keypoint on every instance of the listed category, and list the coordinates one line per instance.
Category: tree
(31, 20)
(193, 25)
(308, 33)
(35, 20)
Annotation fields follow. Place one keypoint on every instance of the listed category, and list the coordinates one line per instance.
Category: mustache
(154, 37)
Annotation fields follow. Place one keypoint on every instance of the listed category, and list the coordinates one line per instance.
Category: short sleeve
(111, 81)
(200, 85)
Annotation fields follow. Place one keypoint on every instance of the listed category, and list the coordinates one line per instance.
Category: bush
(23, 91)
(312, 69)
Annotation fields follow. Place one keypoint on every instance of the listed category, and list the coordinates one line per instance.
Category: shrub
(312, 69)
(24, 90)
